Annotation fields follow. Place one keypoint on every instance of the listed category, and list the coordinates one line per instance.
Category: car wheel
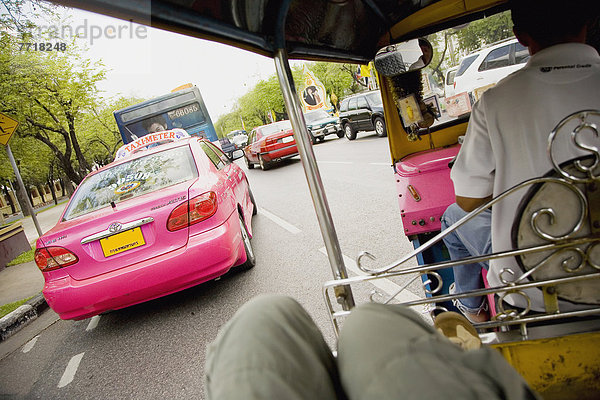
(248, 163)
(250, 257)
(350, 132)
(313, 139)
(255, 209)
(264, 165)
(321, 138)
(340, 134)
(380, 127)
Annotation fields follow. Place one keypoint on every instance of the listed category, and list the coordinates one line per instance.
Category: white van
(481, 70)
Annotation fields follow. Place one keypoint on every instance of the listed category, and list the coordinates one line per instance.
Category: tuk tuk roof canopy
(328, 30)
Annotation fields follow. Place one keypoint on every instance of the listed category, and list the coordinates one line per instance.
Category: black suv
(362, 112)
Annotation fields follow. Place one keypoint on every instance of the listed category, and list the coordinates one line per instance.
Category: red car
(268, 144)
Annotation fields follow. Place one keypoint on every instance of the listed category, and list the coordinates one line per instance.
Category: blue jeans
(474, 238)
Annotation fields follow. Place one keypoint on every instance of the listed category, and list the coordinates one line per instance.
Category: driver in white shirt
(506, 139)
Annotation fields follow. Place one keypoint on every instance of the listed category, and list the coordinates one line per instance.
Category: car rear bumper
(281, 153)
(206, 256)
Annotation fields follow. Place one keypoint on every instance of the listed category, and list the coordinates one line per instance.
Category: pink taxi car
(159, 219)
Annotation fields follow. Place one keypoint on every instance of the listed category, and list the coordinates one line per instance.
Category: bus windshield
(183, 109)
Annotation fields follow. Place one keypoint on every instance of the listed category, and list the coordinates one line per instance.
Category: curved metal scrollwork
(359, 261)
(504, 314)
(576, 134)
(549, 212)
(428, 282)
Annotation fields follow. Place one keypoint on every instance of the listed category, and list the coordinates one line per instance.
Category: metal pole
(22, 187)
(311, 170)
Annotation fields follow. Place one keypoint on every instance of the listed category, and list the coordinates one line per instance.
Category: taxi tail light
(54, 257)
(193, 211)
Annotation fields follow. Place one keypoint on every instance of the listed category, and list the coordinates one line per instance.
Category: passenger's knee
(452, 214)
(271, 305)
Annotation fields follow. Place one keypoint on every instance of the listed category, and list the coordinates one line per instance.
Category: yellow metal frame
(400, 146)
(440, 12)
(564, 367)
(435, 14)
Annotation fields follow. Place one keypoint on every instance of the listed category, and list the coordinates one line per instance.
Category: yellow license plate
(123, 241)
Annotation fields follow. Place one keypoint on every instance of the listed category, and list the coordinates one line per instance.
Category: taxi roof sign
(151, 139)
(8, 126)
(185, 86)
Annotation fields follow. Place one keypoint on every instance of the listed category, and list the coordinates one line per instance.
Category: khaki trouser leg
(389, 352)
(271, 349)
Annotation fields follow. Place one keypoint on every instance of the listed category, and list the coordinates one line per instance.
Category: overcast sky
(151, 62)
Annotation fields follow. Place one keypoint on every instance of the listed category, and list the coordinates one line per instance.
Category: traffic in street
(156, 349)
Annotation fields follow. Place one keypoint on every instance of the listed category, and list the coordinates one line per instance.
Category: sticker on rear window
(128, 187)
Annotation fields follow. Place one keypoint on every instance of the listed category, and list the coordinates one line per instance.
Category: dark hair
(550, 22)
(158, 119)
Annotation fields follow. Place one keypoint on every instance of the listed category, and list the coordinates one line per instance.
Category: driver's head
(550, 22)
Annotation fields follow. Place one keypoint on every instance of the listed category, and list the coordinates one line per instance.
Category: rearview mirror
(237, 154)
(399, 58)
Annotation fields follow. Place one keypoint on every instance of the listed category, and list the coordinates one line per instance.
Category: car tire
(250, 257)
(313, 139)
(380, 128)
(248, 163)
(264, 165)
(349, 132)
(321, 139)
(255, 209)
(340, 134)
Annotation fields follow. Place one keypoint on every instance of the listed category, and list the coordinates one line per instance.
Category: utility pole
(7, 127)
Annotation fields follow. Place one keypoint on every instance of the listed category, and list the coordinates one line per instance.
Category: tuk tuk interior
(558, 359)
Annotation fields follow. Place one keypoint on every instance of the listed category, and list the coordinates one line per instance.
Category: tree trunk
(28, 190)
(13, 209)
(53, 191)
(41, 192)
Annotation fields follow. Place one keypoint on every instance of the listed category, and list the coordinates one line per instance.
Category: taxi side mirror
(236, 155)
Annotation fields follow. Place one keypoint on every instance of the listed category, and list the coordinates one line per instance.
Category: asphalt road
(156, 349)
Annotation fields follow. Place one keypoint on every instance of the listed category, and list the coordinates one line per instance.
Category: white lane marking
(381, 163)
(29, 345)
(284, 224)
(384, 284)
(70, 371)
(335, 162)
(93, 323)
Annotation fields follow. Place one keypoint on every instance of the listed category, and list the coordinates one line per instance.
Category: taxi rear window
(131, 179)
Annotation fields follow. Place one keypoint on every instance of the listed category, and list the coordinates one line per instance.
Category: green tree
(485, 31)
(48, 93)
(337, 78)
(265, 97)
(98, 132)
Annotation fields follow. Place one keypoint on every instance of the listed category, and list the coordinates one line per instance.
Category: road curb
(19, 318)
